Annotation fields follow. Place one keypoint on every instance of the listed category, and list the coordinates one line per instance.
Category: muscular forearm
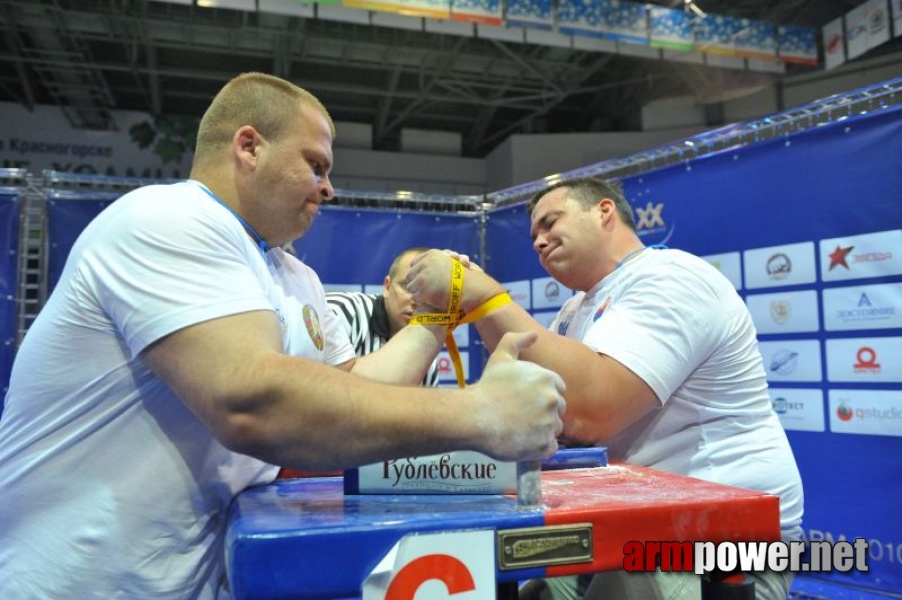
(575, 362)
(323, 418)
(602, 395)
(477, 289)
(405, 358)
(295, 412)
(302, 414)
(578, 365)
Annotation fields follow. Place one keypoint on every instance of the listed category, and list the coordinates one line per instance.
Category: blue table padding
(268, 539)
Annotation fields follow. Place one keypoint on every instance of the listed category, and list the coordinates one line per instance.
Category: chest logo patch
(311, 321)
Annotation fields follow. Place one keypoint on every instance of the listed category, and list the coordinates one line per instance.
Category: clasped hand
(521, 405)
(428, 280)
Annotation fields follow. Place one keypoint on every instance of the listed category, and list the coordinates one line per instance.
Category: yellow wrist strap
(457, 287)
(481, 311)
(455, 317)
(489, 306)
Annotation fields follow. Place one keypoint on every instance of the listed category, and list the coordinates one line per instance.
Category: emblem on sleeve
(311, 321)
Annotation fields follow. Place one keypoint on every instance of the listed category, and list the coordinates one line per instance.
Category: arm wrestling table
(305, 539)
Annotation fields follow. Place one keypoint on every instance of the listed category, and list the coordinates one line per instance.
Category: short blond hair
(267, 103)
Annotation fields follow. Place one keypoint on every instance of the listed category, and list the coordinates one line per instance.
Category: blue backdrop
(347, 245)
(836, 181)
(9, 246)
(67, 215)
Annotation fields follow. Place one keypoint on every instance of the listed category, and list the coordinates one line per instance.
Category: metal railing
(31, 280)
(77, 185)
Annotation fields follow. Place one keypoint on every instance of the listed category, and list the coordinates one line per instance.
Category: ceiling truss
(94, 56)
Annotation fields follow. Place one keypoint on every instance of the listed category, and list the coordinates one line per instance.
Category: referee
(369, 320)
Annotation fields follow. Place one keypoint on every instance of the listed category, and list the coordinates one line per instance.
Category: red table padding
(629, 503)
(303, 538)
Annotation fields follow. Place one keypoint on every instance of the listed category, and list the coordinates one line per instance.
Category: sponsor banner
(857, 31)
(434, 9)
(878, 22)
(380, 5)
(797, 44)
(729, 264)
(670, 28)
(529, 13)
(799, 409)
(866, 412)
(756, 40)
(872, 359)
(445, 367)
(142, 145)
(462, 472)
(292, 8)
(623, 21)
(245, 5)
(717, 35)
(787, 312)
(610, 19)
(792, 360)
(792, 264)
(877, 254)
(653, 225)
(520, 292)
(548, 293)
(863, 307)
(834, 43)
(487, 12)
(578, 18)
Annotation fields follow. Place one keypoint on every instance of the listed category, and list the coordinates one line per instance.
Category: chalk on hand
(529, 482)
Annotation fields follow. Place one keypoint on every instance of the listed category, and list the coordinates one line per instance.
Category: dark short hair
(396, 263)
(589, 191)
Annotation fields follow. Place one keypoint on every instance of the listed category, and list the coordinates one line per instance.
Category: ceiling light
(690, 5)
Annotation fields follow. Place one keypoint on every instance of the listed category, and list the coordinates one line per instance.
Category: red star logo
(838, 257)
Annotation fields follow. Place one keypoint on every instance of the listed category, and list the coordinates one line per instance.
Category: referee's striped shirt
(365, 320)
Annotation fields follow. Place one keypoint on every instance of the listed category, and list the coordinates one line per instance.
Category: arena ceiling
(95, 56)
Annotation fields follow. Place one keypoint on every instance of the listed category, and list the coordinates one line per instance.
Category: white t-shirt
(677, 322)
(109, 486)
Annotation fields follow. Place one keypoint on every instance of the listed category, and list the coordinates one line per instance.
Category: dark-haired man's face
(566, 235)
